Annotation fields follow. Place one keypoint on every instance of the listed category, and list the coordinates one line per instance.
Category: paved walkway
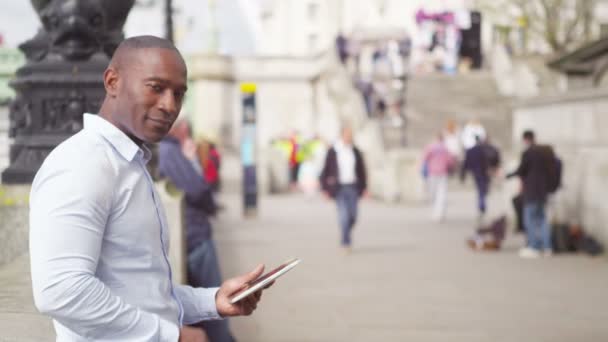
(407, 280)
(19, 320)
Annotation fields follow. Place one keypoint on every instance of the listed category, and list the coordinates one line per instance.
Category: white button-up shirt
(98, 244)
(345, 155)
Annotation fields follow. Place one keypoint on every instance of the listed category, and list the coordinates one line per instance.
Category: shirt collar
(117, 138)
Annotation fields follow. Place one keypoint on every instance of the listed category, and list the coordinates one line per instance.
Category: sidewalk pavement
(408, 279)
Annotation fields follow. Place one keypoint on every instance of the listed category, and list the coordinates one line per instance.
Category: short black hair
(140, 42)
(528, 135)
(143, 42)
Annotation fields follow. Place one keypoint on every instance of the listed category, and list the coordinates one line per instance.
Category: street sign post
(248, 150)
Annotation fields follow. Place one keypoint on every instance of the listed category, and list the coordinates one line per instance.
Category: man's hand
(191, 334)
(230, 287)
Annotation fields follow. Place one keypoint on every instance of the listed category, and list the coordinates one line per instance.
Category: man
(294, 161)
(472, 131)
(98, 233)
(475, 161)
(178, 161)
(438, 162)
(535, 172)
(342, 48)
(344, 178)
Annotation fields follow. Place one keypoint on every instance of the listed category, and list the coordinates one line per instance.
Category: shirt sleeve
(69, 207)
(522, 169)
(198, 303)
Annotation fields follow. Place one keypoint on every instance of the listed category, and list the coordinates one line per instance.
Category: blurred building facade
(277, 27)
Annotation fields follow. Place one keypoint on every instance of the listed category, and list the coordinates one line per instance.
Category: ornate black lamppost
(62, 77)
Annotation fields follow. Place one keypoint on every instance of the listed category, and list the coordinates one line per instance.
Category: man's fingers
(253, 275)
(269, 285)
(241, 282)
(258, 296)
(246, 307)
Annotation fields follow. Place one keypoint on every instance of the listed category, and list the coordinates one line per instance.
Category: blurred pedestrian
(210, 161)
(536, 170)
(471, 131)
(344, 178)
(178, 161)
(475, 162)
(439, 163)
(493, 158)
(294, 159)
(451, 138)
(342, 48)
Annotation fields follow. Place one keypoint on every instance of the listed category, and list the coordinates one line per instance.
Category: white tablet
(262, 281)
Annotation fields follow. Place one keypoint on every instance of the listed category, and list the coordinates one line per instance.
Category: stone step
(434, 99)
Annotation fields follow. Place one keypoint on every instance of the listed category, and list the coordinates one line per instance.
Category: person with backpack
(492, 155)
(540, 172)
(476, 162)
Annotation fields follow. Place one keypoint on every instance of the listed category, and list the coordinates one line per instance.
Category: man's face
(151, 89)
(347, 136)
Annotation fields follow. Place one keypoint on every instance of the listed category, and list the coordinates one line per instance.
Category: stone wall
(14, 226)
(575, 124)
(13, 222)
(4, 139)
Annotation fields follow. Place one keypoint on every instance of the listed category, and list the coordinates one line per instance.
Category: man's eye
(157, 88)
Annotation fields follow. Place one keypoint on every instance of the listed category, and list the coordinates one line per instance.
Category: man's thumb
(253, 275)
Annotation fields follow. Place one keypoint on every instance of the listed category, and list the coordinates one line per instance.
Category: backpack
(555, 182)
(491, 155)
(553, 169)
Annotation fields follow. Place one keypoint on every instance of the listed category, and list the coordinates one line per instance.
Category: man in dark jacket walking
(344, 179)
(535, 171)
(476, 162)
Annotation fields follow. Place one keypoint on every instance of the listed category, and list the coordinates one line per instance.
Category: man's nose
(168, 103)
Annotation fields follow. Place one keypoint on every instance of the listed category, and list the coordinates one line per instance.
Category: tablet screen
(265, 279)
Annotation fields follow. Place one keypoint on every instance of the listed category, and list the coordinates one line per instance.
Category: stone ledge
(14, 226)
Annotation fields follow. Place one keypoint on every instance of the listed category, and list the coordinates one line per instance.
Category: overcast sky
(18, 21)
(192, 22)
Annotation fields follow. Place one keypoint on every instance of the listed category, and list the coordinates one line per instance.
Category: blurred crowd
(468, 150)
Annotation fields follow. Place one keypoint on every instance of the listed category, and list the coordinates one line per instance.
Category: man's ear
(110, 81)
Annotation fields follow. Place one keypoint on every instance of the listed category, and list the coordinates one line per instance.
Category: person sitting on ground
(489, 237)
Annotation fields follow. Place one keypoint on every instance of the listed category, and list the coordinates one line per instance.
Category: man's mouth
(160, 122)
